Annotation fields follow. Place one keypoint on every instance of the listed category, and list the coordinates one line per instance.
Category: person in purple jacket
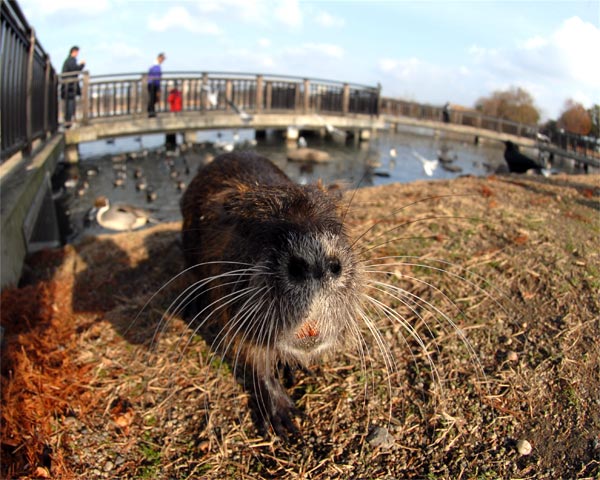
(154, 75)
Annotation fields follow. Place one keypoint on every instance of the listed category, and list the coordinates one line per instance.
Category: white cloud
(45, 7)
(121, 50)
(252, 11)
(578, 42)
(179, 18)
(316, 49)
(327, 20)
(264, 42)
(288, 12)
(568, 55)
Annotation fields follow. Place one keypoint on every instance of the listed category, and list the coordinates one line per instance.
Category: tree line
(517, 104)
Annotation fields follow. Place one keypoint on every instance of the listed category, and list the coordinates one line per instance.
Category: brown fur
(242, 211)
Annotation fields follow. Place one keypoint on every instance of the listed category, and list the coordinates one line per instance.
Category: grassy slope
(512, 261)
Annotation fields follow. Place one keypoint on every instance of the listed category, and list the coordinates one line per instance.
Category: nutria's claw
(283, 423)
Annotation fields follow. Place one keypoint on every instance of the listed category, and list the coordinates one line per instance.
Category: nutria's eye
(335, 267)
(298, 269)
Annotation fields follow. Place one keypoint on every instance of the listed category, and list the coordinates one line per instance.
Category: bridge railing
(396, 107)
(28, 89)
(106, 96)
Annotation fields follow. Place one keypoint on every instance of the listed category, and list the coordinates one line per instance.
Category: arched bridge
(116, 105)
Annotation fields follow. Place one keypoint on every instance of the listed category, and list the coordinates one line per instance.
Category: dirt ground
(503, 275)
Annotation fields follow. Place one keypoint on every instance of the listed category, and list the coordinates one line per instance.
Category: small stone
(524, 447)
(108, 466)
(512, 356)
(380, 437)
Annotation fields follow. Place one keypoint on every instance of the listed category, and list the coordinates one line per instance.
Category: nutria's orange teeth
(307, 330)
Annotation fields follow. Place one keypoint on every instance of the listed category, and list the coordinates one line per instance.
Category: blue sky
(427, 51)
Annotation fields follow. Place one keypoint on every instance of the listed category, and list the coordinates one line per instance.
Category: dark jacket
(71, 90)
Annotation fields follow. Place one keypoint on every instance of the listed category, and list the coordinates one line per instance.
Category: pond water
(106, 163)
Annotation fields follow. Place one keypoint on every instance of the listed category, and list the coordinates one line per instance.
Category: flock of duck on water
(123, 217)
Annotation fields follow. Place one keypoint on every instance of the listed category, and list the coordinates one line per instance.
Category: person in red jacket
(174, 99)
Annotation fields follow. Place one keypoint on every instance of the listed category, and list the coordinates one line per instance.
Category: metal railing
(395, 107)
(106, 96)
(28, 91)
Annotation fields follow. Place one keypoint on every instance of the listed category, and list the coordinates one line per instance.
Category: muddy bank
(509, 263)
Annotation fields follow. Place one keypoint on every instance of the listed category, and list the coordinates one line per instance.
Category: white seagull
(429, 166)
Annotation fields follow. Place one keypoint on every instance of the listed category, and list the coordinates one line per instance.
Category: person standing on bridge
(175, 102)
(70, 87)
(154, 75)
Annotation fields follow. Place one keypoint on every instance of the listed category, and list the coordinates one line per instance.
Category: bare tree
(514, 104)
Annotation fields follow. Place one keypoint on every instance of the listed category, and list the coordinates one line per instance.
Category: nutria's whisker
(412, 222)
(243, 319)
(395, 212)
(480, 289)
(388, 359)
(392, 314)
(388, 289)
(171, 280)
(214, 308)
(189, 294)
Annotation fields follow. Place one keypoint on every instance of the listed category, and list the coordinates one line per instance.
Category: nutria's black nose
(300, 270)
(335, 267)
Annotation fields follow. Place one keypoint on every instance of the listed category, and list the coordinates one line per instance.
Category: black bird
(517, 162)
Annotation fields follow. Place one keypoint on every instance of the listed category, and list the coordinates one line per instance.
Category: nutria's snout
(300, 270)
(318, 278)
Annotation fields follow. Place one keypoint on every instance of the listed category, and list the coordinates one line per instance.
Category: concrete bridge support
(28, 213)
(71, 153)
(190, 137)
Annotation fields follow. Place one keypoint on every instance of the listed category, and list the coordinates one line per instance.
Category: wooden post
(204, 93)
(29, 93)
(259, 93)
(144, 88)
(346, 99)
(269, 96)
(228, 93)
(306, 95)
(85, 99)
(47, 67)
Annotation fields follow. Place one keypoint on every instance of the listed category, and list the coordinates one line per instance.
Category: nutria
(278, 283)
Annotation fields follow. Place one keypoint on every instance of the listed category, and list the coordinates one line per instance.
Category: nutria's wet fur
(278, 280)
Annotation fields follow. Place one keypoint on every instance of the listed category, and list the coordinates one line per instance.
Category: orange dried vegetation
(41, 381)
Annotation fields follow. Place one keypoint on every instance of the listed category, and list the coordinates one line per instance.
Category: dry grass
(84, 395)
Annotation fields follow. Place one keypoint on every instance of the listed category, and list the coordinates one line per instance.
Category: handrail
(28, 92)
(116, 95)
(228, 74)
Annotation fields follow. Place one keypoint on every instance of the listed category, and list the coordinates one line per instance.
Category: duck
(119, 217)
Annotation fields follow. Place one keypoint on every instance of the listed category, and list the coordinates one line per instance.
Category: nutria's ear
(337, 190)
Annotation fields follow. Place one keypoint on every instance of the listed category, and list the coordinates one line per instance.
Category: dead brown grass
(84, 395)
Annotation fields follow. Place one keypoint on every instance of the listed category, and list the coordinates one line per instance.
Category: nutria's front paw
(282, 419)
(273, 407)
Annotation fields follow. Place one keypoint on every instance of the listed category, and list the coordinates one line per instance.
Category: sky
(426, 51)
